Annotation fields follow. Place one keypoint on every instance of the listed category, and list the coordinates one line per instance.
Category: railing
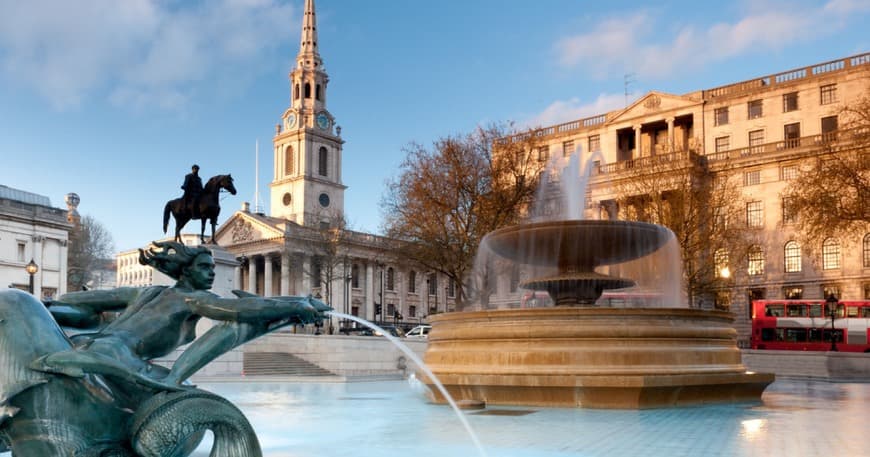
(579, 124)
(641, 162)
(788, 76)
(812, 141)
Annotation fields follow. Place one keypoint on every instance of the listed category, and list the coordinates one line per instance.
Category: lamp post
(831, 301)
(31, 268)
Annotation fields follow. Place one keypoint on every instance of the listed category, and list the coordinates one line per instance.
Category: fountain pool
(359, 419)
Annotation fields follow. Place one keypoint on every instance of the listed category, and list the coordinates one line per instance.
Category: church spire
(308, 54)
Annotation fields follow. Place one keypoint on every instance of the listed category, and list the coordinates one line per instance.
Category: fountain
(578, 354)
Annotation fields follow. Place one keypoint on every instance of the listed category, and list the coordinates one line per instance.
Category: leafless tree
(90, 244)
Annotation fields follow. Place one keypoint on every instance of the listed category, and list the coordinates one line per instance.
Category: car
(420, 331)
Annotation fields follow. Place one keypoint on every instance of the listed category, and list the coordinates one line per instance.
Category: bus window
(838, 335)
(865, 311)
(798, 310)
(795, 335)
(851, 311)
(815, 310)
(841, 310)
(768, 334)
(815, 335)
(774, 310)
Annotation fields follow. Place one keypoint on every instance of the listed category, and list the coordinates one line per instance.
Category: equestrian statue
(98, 393)
(198, 202)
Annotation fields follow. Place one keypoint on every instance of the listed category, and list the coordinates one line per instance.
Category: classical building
(33, 230)
(302, 245)
(763, 128)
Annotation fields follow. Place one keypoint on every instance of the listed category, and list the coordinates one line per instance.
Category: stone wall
(838, 366)
(342, 355)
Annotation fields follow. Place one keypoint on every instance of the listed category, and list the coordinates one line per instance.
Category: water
(422, 366)
(796, 418)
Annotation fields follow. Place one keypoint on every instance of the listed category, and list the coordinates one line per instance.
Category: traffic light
(378, 309)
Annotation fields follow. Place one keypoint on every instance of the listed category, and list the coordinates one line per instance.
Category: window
(789, 215)
(412, 311)
(567, 148)
(288, 160)
(789, 102)
(322, 161)
(720, 260)
(830, 254)
(752, 178)
(307, 90)
(755, 265)
(543, 153)
(831, 289)
(788, 172)
(451, 288)
(354, 276)
(792, 135)
(594, 143)
(316, 273)
(296, 92)
(723, 143)
(720, 116)
(432, 281)
(756, 140)
(796, 293)
(753, 109)
(412, 283)
(867, 291)
(755, 214)
(21, 249)
(828, 94)
(792, 257)
(829, 128)
(317, 92)
(867, 251)
(391, 279)
(391, 309)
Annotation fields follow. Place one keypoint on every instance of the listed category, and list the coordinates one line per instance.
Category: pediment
(244, 228)
(654, 102)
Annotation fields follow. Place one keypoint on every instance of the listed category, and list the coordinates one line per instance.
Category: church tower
(306, 187)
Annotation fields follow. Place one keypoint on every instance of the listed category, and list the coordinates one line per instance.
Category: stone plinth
(591, 357)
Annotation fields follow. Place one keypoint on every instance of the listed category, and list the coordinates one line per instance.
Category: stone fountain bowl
(577, 244)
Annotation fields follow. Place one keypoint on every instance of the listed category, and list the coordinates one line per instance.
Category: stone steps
(279, 363)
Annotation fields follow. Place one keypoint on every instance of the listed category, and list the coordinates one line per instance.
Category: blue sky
(114, 100)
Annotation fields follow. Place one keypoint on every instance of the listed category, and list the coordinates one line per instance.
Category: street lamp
(832, 302)
(31, 268)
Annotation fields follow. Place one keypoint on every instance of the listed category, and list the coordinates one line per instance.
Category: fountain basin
(591, 357)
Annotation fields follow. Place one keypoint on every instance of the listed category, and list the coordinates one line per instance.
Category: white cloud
(627, 44)
(567, 110)
(144, 52)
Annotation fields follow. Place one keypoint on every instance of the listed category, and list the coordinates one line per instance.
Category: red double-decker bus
(805, 325)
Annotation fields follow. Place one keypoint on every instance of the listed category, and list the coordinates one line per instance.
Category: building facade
(303, 246)
(764, 129)
(33, 230)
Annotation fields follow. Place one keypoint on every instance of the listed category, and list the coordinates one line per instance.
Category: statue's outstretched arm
(258, 310)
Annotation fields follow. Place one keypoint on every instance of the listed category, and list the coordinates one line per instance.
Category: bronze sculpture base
(591, 357)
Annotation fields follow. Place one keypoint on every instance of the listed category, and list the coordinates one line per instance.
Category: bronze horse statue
(207, 206)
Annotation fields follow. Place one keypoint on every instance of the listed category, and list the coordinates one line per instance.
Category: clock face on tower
(324, 200)
(291, 121)
(322, 121)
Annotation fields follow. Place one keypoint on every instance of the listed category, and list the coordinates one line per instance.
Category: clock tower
(306, 187)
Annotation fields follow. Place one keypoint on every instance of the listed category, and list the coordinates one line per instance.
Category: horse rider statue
(192, 189)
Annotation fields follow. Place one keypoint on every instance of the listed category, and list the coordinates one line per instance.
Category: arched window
(830, 254)
(317, 92)
(288, 160)
(412, 282)
(755, 261)
(322, 161)
(391, 279)
(307, 90)
(296, 92)
(792, 257)
(867, 250)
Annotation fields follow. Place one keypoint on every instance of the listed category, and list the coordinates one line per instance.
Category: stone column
(670, 122)
(285, 273)
(306, 275)
(370, 292)
(252, 275)
(267, 275)
(64, 262)
(237, 277)
(638, 150)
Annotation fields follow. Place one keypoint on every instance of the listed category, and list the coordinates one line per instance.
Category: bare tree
(702, 206)
(90, 244)
(831, 192)
(445, 199)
